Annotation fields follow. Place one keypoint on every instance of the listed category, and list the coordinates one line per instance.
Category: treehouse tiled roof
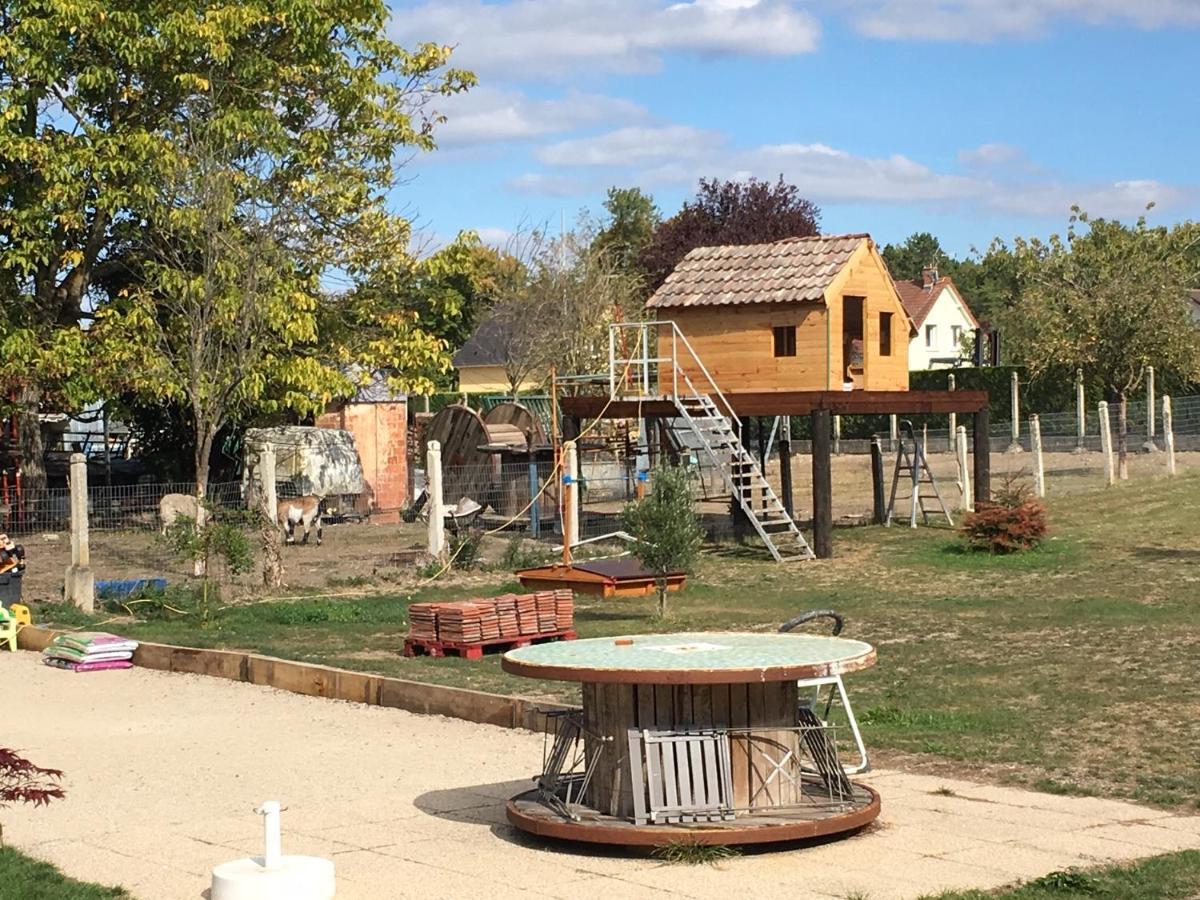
(794, 270)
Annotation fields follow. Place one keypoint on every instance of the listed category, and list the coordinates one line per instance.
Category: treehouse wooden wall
(866, 276)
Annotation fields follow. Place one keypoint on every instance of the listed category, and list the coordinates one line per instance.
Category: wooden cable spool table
(694, 736)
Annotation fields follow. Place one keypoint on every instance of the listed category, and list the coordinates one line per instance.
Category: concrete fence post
(1015, 445)
(80, 587)
(1106, 444)
(436, 501)
(266, 477)
(837, 434)
(570, 494)
(1150, 446)
(964, 473)
(953, 437)
(1035, 443)
(1080, 414)
(272, 561)
(893, 432)
(1168, 430)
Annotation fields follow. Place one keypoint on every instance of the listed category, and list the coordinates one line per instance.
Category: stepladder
(912, 470)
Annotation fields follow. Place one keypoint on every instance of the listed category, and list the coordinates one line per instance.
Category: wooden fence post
(1080, 414)
(822, 484)
(1150, 446)
(80, 587)
(953, 385)
(880, 511)
(964, 474)
(982, 462)
(1106, 447)
(1168, 433)
(272, 561)
(785, 465)
(435, 501)
(1035, 443)
(570, 495)
(1015, 445)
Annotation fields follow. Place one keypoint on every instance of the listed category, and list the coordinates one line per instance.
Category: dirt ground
(353, 552)
(164, 780)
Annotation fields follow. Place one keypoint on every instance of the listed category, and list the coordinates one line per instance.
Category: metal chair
(835, 687)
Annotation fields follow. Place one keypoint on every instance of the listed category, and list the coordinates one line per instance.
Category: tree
(665, 526)
(1110, 300)
(729, 212)
(908, 260)
(987, 282)
(313, 95)
(632, 221)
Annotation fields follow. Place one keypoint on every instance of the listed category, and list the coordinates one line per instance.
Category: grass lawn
(25, 878)
(1070, 669)
(1175, 876)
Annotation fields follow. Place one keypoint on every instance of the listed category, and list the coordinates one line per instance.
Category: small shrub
(692, 853)
(665, 525)
(518, 554)
(465, 547)
(1068, 881)
(1012, 521)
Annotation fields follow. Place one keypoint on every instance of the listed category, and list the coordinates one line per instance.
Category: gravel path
(163, 771)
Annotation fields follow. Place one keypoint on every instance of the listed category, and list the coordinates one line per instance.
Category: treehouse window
(785, 340)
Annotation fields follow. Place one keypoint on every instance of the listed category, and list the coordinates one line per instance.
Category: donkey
(302, 511)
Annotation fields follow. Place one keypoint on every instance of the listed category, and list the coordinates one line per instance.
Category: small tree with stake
(665, 527)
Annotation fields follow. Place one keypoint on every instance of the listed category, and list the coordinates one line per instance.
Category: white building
(943, 321)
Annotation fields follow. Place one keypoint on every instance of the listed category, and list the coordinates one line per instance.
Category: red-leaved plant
(1013, 520)
(23, 782)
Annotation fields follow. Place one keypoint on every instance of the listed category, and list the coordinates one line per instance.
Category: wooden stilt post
(964, 476)
(1080, 414)
(822, 463)
(1015, 445)
(1106, 447)
(435, 501)
(880, 500)
(785, 464)
(1035, 443)
(80, 587)
(1168, 431)
(983, 457)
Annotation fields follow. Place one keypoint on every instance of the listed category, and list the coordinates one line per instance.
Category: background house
(480, 361)
(801, 314)
(942, 320)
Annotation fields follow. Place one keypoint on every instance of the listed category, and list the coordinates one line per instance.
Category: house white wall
(947, 315)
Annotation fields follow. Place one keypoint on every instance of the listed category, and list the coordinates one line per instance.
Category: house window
(885, 334)
(930, 336)
(956, 336)
(785, 340)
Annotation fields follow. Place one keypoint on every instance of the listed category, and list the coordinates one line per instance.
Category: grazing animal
(172, 506)
(303, 511)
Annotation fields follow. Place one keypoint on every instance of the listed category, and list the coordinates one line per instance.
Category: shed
(800, 314)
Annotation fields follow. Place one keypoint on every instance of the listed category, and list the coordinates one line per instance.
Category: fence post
(570, 495)
(1015, 446)
(1168, 433)
(1150, 446)
(822, 484)
(880, 511)
(535, 519)
(953, 385)
(964, 475)
(1080, 414)
(893, 432)
(837, 435)
(272, 562)
(436, 502)
(1035, 443)
(1106, 443)
(80, 587)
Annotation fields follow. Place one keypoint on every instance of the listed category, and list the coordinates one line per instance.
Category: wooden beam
(880, 504)
(983, 457)
(785, 465)
(594, 407)
(822, 463)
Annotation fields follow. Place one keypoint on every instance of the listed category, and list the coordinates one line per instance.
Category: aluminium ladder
(915, 469)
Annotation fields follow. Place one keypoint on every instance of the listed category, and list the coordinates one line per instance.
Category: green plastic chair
(8, 629)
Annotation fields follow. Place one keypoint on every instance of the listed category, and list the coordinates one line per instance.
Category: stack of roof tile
(506, 613)
(460, 622)
(422, 619)
(507, 616)
(564, 609)
(546, 609)
(527, 615)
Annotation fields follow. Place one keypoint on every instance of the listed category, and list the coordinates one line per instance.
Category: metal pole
(535, 522)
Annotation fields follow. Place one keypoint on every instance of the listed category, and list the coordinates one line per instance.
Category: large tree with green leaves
(1108, 299)
(302, 104)
(632, 221)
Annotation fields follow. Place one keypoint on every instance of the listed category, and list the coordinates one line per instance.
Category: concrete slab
(164, 785)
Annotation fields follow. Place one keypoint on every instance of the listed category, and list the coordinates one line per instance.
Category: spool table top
(691, 658)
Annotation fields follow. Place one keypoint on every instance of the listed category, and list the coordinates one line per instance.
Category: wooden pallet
(475, 649)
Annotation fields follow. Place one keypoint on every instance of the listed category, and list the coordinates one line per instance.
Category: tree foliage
(729, 212)
(987, 281)
(665, 525)
(307, 105)
(632, 220)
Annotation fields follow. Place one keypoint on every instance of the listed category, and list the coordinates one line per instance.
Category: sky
(970, 119)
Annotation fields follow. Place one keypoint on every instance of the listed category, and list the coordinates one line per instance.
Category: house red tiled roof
(794, 270)
(918, 300)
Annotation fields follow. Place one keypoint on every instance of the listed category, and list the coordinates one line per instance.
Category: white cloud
(547, 185)
(526, 38)
(490, 115)
(986, 20)
(678, 156)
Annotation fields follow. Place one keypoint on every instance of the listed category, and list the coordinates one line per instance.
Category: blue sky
(968, 118)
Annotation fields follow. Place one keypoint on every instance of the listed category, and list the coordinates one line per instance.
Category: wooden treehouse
(804, 326)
